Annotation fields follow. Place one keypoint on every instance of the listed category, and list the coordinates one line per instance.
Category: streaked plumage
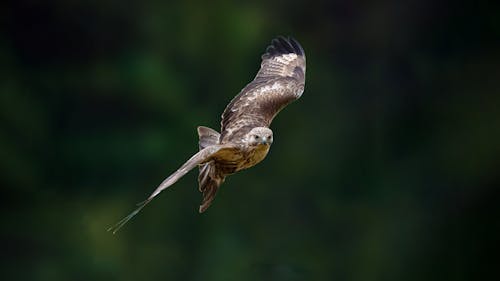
(245, 136)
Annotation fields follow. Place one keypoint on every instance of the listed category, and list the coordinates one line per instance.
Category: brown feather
(279, 81)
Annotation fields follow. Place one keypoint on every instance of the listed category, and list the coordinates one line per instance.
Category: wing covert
(279, 81)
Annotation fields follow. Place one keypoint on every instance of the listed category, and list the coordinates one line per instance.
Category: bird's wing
(203, 156)
(279, 81)
(207, 137)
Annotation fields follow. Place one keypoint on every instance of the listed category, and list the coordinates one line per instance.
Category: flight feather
(279, 81)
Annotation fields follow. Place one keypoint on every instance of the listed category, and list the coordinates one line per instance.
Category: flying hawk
(245, 136)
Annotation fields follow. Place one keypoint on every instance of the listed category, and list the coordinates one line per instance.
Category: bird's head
(259, 136)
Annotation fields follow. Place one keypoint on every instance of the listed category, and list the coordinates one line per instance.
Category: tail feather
(208, 180)
(209, 183)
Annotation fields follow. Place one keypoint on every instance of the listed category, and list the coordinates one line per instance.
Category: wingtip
(115, 228)
(283, 45)
(296, 46)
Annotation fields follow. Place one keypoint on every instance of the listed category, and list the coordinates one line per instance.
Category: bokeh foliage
(385, 169)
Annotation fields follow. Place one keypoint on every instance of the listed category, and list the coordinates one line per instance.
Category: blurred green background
(387, 168)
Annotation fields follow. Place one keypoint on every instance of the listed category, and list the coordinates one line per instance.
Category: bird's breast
(254, 156)
(240, 160)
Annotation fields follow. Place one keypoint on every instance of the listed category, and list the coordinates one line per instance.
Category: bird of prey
(245, 137)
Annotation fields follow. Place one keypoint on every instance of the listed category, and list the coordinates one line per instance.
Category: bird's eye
(269, 137)
(256, 137)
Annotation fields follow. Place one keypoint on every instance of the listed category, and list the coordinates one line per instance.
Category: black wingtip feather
(285, 44)
(282, 45)
(296, 46)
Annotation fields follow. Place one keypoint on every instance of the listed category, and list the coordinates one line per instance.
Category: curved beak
(264, 140)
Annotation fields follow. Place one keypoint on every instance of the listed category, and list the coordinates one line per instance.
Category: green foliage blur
(386, 168)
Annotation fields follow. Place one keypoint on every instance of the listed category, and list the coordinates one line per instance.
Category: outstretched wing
(279, 81)
(203, 156)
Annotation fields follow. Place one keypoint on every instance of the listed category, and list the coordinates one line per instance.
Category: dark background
(387, 168)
